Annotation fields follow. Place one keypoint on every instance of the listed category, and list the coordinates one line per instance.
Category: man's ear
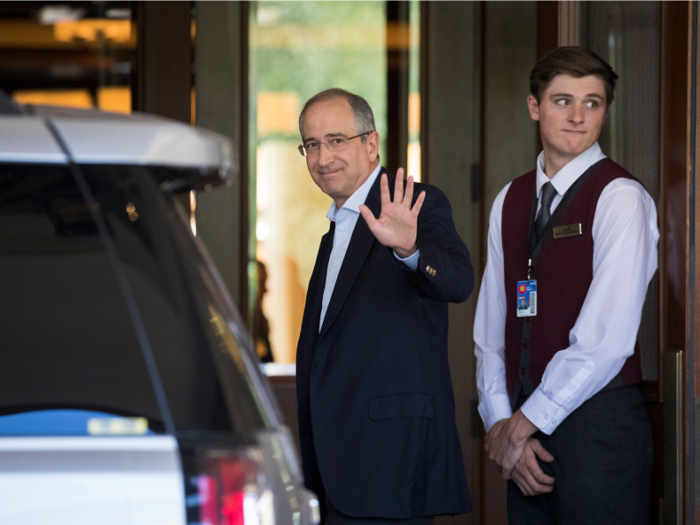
(533, 107)
(373, 145)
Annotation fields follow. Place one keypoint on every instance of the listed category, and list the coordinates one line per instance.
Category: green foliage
(321, 13)
(297, 64)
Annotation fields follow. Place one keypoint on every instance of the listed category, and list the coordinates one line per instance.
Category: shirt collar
(566, 176)
(357, 198)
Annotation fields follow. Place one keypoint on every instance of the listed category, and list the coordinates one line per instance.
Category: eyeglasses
(311, 149)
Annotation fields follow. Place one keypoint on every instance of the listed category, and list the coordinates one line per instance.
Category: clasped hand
(510, 445)
(397, 225)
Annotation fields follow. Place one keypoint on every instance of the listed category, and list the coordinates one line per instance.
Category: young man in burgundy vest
(571, 251)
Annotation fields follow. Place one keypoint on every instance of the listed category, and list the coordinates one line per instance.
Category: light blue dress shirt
(345, 220)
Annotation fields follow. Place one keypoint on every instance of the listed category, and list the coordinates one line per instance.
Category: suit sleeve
(444, 271)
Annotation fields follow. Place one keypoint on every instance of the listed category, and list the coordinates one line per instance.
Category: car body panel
(142, 143)
(87, 480)
(27, 139)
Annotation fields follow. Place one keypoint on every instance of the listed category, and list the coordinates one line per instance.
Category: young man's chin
(571, 152)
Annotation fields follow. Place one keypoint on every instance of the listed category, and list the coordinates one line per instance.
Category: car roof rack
(7, 105)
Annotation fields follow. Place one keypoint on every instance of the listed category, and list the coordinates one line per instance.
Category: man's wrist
(403, 254)
(523, 427)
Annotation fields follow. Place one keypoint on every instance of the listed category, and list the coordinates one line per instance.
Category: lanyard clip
(529, 269)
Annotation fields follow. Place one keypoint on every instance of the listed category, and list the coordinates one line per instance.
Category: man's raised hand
(397, 225)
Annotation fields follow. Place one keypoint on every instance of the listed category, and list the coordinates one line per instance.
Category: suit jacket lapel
(314, 296)
(358, 249)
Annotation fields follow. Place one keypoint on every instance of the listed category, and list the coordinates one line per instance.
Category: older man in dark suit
(376, 408)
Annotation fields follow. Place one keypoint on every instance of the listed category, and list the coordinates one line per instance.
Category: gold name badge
(570, 230)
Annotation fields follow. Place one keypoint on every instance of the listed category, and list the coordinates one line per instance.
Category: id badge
(527, 298)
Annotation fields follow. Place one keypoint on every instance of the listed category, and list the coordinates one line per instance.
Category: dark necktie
(548, 193)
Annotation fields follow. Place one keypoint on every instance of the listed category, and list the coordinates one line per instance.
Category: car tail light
(252, 480)
(233, 490)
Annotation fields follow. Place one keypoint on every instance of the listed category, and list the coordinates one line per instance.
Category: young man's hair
(361, 110)
(576, 62)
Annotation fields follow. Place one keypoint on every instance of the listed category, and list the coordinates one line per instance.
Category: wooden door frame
(693, 265)
(676, 209)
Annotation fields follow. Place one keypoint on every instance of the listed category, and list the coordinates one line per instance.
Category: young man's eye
(562, 102)
(592, 104)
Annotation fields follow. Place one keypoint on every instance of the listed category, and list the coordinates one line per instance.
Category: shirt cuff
(542, 412)
(411, 261)
(493, 409)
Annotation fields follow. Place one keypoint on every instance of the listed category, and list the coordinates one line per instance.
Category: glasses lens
(312, 150)
(336, 144)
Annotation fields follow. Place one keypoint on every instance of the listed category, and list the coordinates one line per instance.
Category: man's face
(571, 115)
(338, 173)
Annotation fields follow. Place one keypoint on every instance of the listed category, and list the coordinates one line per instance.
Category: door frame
(671, 418)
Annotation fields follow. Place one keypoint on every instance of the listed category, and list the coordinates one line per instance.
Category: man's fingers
(398, 186)
(533, 486)
(368, 216)
(519, 480)
(384, 188)
(408, 196)
(528, 483)
(531, 469)
(534, 470)
(419, 204)
(541, 452)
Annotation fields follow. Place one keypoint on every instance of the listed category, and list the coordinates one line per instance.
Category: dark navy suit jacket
(376, 408)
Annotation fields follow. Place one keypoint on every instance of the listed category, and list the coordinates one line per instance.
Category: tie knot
(548, 193)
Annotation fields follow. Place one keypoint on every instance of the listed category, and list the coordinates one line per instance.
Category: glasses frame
(302, 149)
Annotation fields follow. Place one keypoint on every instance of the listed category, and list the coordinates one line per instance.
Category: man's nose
(324, 155)
(576, 114)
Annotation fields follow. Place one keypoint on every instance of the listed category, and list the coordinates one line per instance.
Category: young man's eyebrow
(568, 95)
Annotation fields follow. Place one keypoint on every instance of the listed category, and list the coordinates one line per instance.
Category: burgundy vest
(564, 272)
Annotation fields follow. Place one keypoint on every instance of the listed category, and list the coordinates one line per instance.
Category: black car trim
(7, 105)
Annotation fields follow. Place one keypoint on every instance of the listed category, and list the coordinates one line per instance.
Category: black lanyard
(523, 384)
(537, 244)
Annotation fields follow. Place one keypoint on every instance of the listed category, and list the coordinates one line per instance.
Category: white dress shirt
(345, 219)
(624, 260)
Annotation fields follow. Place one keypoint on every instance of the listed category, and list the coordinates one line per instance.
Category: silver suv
(129, 390)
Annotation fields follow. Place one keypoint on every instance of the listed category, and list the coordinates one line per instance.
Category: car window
(200, 361)
(66, 337)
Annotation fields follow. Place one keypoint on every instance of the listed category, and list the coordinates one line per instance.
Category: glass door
(298, 49)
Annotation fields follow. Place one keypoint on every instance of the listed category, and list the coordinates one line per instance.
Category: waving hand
(397, 225)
